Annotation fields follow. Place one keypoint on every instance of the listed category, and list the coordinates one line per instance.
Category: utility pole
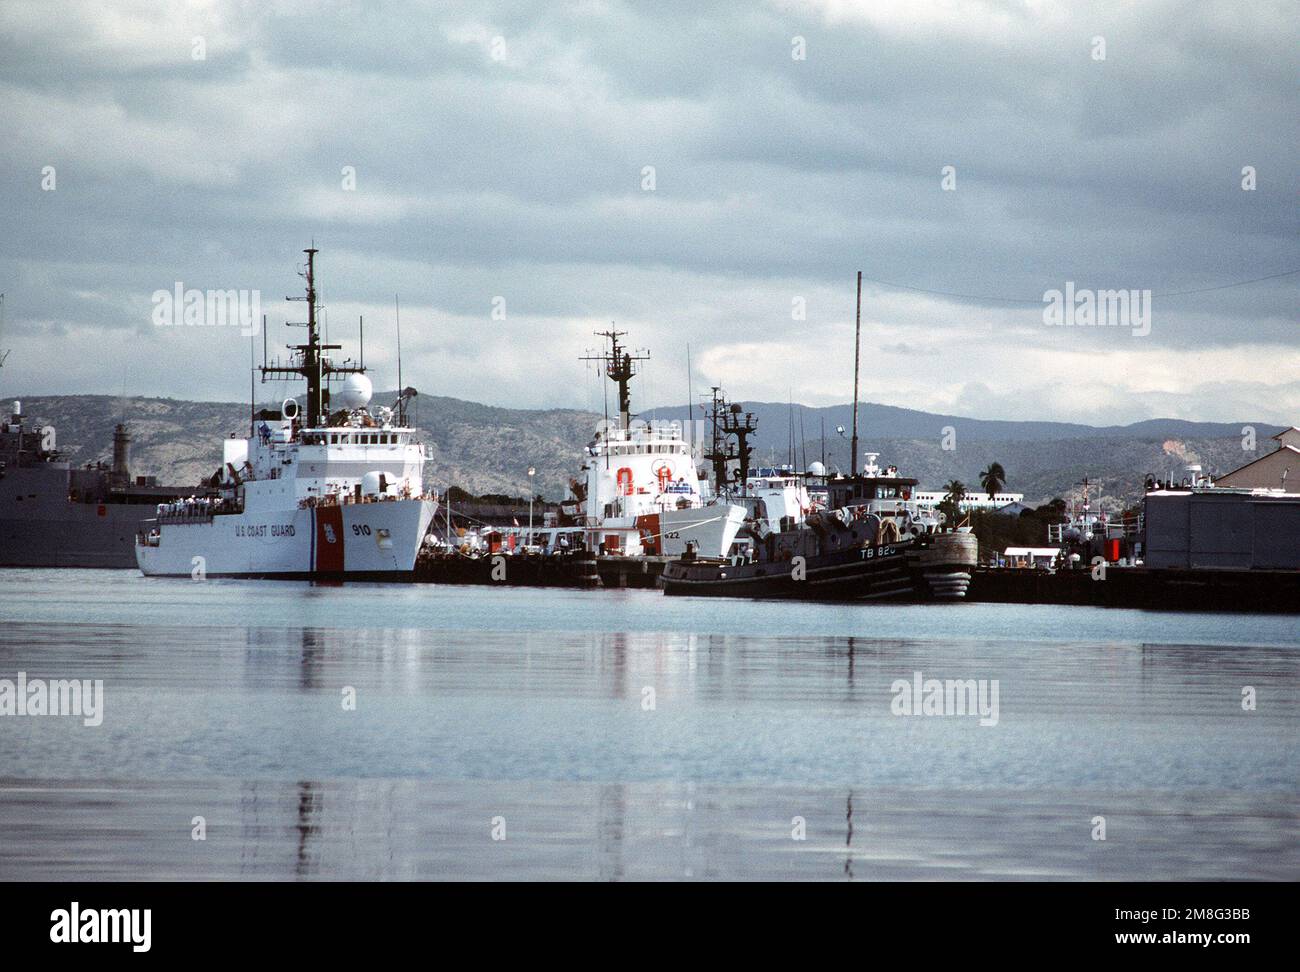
(3, 354)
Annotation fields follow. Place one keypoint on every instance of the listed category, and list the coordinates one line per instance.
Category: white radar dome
(356, 392)
(816, 469)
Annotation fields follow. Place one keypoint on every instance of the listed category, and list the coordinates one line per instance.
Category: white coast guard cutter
(332, 493)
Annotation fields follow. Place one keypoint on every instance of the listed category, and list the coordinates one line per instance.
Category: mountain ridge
(488, 448)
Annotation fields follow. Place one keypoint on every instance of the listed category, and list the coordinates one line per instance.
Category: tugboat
(859, 537)
(337, 493)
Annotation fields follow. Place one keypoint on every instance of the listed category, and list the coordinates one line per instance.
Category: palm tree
(951, 504)
(993, 478)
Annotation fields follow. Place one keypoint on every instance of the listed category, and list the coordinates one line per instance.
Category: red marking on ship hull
(329, 539)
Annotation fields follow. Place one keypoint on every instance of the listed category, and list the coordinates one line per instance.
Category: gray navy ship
(53, 514)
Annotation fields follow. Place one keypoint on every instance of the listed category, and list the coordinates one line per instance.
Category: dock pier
(1150, 588)
(637, 572)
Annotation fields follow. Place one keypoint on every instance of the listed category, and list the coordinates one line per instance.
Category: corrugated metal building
(1277, 470)
(1223, 528)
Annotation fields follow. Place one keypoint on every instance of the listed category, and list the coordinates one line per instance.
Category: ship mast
(1087, 484)
(620, 367)
(741, 424)
(720, 452)
(309, 361)
(857, 342)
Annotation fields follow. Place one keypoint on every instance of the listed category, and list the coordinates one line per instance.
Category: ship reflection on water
(697, 754)
(415, 830)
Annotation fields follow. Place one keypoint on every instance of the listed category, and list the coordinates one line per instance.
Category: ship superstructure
(311, 493)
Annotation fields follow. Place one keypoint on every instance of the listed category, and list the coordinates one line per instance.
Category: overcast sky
(500, 151)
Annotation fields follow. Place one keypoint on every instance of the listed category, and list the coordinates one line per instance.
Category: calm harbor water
(504, 733)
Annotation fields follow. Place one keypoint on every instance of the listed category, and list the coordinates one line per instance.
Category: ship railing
(1125, 529)
(1113, 530)
(348, 499)
(176, 519)
(198, 512)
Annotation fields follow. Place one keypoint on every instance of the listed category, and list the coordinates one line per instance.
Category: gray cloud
(775, 179)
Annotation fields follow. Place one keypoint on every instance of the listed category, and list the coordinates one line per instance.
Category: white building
(1041, 557)
(973, 500)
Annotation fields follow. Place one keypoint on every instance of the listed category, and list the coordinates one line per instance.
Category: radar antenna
(308, 361)
(620, 367)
